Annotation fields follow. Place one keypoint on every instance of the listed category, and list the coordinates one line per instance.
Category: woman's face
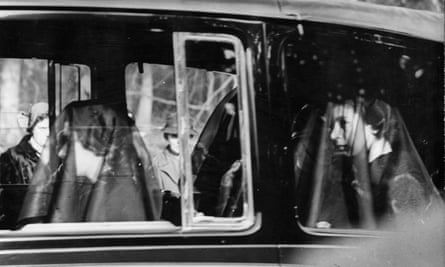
(348, 130)
(344, 122)
(88, 164)
(40, 132)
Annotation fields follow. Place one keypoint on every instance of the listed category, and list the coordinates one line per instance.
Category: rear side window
(366, 132)
(24, 82)
(25, 122)
(73, 83)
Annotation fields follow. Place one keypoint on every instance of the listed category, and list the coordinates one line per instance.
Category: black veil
(370, 175)
(122, 186)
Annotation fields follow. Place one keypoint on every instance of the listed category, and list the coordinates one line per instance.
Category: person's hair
(378, 115)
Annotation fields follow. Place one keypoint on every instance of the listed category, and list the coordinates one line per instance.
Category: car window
(176, 151)
(24, 83)
(215, 185)
(151, 98)
(25, 122)
(73, 83)
(359, 135)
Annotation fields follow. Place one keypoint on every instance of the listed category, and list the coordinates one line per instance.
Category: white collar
(378, 148)
(37, 147)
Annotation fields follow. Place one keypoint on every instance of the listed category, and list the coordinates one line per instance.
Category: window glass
(24, 82)
(216, 159)
(122, 161)
(24, 124)
(73, 83)
(363, 154)
(214, 146)
(151, 99)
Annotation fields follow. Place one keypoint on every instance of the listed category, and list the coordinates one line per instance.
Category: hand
(230, 109)
(235, 166)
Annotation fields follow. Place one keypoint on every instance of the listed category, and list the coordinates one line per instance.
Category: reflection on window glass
(24, 129)
(360, 140)
(214, 130)
(118, 161)
(366, 169)
(219, 187)
(24, 125)
(73, 83)
(151, 98)
(24, 82)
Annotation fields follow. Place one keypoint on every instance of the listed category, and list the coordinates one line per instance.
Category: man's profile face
(344, 125)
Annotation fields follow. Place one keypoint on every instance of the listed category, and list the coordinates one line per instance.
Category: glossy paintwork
(428, 25)
(277, 236)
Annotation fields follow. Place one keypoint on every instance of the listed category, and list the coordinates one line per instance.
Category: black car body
(272, 61)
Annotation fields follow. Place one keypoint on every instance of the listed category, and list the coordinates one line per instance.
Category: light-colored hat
(171, 125)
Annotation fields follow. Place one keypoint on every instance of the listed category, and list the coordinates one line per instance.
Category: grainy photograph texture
(209, 133)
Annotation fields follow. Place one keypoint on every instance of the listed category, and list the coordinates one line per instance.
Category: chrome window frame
(190, 222)
(246, 224)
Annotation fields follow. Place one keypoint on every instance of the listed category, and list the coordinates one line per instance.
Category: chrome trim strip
(343, 232)
(13, 13)
(97, 228)
(167, 264)
(162, 264)
(79, 232)
(169, 247)
(186, 179)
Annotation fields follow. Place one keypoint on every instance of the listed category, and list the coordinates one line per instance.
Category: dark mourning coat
(17, 165)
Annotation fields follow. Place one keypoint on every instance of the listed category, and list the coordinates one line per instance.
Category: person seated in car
(167, 167)
(219, 166)
(375, 139)
(166, 163)
(100, 171)
(17, 164)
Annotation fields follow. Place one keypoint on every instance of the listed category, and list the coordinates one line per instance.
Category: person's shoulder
(22, 147)
(7, 166)
(7, 155)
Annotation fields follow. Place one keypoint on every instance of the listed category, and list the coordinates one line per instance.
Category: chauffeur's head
(170, 131)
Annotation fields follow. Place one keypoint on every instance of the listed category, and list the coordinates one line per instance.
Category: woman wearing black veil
(368, 170)
(96, 169)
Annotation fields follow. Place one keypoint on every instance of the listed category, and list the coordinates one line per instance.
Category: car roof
(416, 23)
